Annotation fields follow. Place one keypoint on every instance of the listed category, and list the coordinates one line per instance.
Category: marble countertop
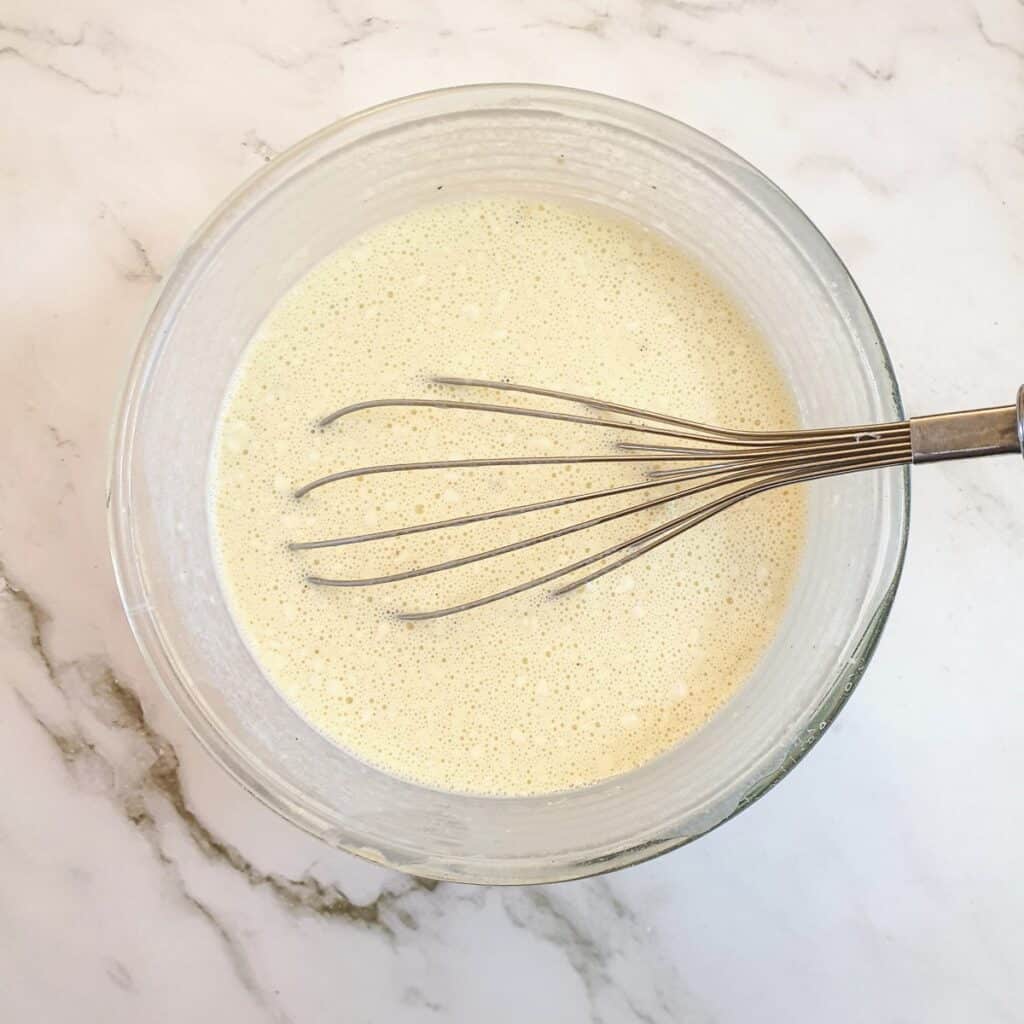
(880, 882)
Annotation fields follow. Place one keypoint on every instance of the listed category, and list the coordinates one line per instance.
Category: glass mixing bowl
(471, 141)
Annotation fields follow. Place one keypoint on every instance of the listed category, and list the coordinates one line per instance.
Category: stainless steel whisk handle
(964, 435)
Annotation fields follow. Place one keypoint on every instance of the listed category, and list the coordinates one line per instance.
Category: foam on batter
(530, 694)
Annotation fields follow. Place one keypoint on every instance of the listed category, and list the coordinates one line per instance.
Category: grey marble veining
(139, 883)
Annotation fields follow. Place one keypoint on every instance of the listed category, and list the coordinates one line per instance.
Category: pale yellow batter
(530, 694)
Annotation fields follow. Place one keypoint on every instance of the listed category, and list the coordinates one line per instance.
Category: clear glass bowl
(480, 140)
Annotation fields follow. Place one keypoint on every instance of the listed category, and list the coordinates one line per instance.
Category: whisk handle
(965, 435)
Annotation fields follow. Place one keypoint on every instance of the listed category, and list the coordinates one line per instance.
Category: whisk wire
(705, 430)
(641, 545)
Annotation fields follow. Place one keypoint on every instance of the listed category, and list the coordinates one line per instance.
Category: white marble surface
(880, 882)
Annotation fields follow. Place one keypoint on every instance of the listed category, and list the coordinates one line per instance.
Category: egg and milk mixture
(531, 694)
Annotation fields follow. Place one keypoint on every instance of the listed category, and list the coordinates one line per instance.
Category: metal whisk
(744, 463)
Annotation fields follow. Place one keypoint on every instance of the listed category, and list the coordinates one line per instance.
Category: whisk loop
(747, 462)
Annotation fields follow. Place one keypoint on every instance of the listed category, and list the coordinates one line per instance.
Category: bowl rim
(129, 574)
